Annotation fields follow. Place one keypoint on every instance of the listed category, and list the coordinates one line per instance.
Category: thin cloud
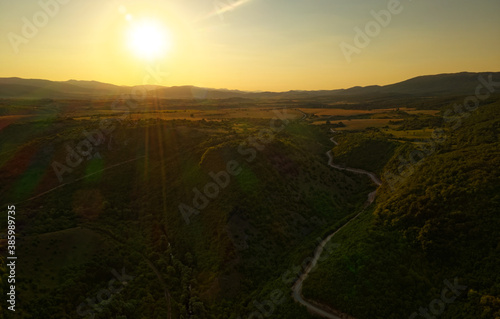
(222, 7)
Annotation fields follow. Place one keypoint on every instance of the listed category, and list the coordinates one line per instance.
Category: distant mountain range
(463, 83)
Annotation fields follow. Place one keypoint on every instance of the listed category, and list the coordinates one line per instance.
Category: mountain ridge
(427, 85)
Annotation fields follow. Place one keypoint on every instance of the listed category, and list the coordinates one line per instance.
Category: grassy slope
(366, 150)
(440, 223)
(278, 205)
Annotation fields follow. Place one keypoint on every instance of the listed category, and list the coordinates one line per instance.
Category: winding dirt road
(297, 287)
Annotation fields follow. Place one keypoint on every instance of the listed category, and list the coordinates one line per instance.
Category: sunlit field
(362, 124)
(410, 134)
(244, 159)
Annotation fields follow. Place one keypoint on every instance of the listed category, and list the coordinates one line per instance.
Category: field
(358, 120)
(196, 115)
(361, 124)
(409, 134)
(153, 192)
(346, 112)
(120, 208)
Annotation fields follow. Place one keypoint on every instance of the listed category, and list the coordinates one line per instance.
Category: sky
(254, 45)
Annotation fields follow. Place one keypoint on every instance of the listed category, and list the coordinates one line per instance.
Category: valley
(231, 208)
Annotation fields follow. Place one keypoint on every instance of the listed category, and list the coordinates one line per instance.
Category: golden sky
(273, 45)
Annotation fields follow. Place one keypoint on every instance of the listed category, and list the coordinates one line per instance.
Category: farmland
(207, 201)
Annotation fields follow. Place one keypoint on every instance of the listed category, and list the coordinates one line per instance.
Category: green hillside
(119, 211)
(438, 225)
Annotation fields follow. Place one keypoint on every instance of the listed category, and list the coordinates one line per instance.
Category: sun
(148, 39)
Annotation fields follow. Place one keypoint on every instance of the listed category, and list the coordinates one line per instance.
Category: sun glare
(148, 39)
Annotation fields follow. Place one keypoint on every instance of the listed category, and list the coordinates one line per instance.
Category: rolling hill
(430, 85)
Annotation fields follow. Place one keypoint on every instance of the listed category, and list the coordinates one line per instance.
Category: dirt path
(312, 306)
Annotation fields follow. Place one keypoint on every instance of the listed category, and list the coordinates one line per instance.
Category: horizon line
(245, 91)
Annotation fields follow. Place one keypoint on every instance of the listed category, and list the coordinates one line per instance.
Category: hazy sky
(249, 44)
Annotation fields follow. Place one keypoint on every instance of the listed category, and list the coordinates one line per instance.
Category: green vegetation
(121, 210)
(369, 150)
(439, 223)
(117, 210)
